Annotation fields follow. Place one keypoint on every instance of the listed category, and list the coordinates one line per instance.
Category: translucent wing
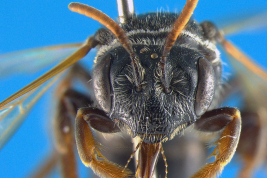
(252, 22)
(253, 77)
(253, 81)
(14, 110)
(34, 59)
(13, 114)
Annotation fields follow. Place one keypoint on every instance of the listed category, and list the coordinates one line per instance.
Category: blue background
(28, 24)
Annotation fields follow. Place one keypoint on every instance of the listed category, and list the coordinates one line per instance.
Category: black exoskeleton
(154, 75)
(193, 71)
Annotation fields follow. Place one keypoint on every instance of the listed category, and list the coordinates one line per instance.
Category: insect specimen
(159, 6)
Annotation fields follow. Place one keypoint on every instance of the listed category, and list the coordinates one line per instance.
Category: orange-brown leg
(229, 121)
(64, 130)
(88, 147)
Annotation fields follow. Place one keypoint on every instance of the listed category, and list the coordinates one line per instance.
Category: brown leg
(252, 144)
(88, 147)
(229, 121)
(68, 104)
(65, 143)
(64, 130)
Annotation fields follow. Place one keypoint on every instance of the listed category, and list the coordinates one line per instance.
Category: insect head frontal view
(155, 76)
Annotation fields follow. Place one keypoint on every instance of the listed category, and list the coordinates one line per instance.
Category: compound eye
(205, 86)
(102, 84)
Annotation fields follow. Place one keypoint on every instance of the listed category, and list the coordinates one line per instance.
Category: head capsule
(151, 113)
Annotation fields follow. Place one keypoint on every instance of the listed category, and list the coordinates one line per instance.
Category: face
(42, 23)
(151, 113)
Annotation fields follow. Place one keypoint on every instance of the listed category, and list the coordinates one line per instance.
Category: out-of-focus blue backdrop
(29, 24)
